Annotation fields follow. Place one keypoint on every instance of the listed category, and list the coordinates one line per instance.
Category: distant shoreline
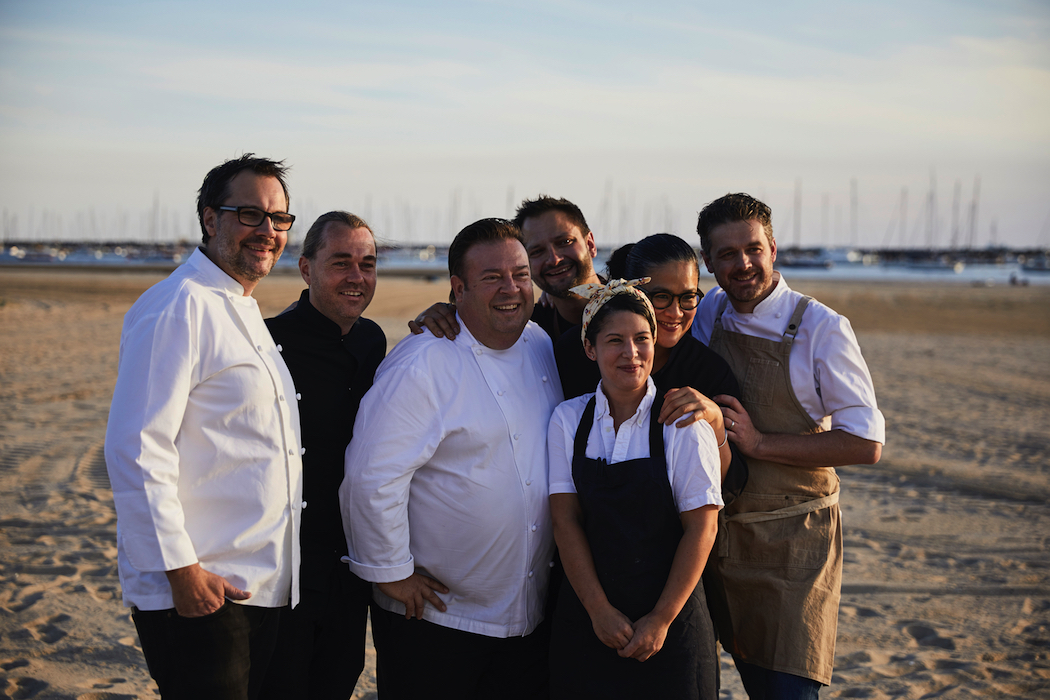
(878, 275)
(392, 270)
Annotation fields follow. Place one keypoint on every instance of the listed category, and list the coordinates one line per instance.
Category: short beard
(756, 291)
(232, 256)
(580, 278)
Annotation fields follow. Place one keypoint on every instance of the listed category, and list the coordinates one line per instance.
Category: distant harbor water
(431, 261)
(972, 274)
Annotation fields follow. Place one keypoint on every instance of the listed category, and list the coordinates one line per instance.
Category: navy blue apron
(633, 528)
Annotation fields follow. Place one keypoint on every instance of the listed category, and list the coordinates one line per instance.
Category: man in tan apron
(807, 406)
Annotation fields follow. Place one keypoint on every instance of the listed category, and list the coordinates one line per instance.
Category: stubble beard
(565, 292)
(235, 257)
(763, 283)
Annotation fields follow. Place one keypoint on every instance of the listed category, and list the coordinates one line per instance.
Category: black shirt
(331, 372)
(548, 318)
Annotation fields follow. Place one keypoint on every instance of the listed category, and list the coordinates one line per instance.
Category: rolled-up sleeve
(844, 382)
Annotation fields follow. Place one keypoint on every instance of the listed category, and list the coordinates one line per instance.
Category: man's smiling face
(560, 254)
(342, 273)
(494, 297)
(741, 259)
(247, 253)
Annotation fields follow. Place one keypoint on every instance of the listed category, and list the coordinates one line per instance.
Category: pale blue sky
(423, 117)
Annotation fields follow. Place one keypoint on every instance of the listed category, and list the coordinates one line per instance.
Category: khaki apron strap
(718, 315)
(795, 322)
(761, 517)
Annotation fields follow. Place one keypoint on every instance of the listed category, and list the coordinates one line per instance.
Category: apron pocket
(797, 541)
(761, 379)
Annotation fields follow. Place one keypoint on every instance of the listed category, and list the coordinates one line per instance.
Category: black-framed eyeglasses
(253, 216)
(687, 301)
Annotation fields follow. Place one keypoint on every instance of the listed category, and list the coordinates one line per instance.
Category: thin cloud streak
(514, 91)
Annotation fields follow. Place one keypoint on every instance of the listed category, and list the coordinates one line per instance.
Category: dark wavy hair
(545, 203)
(728, 209)
(482, 231)
(216, 187)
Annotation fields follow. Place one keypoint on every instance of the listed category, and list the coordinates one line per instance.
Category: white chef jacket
(691, 453)
(202, 445)
(828, 372)
(447, 475)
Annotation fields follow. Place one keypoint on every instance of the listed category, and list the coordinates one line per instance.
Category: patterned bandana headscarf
(599, 294)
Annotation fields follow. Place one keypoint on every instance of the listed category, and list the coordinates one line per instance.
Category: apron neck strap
(796, 320)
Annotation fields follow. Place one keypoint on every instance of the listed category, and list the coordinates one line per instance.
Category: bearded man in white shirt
(808, 405)
(445, 502)
(203, 450)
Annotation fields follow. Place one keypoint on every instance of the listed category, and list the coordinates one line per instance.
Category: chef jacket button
(551, 565)
(280, 397)
(302, 450)
(258, 347)
(543, 378)
(517, 435)
(500, 392)
(291, 452)
(534, 528)
(280, 348)
(304, 504)
(477, 351)
(528, 482)
(779, 315)
(530, 574)
(298, 397)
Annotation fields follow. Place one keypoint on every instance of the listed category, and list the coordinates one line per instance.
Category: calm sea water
(409, 263)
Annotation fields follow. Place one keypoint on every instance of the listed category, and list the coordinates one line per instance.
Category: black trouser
(765, 684)
(419, 659)
(223, 655)
(321, 644)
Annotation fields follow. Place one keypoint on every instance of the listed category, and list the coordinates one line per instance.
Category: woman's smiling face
(674, 277)
(623, 349)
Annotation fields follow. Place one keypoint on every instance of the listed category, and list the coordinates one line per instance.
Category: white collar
(213, 275)
(601, 403)
(467, 339)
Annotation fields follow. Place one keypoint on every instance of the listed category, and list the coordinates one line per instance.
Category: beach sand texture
(947, 576)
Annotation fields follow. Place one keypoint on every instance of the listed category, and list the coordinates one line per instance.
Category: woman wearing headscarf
(635, 506)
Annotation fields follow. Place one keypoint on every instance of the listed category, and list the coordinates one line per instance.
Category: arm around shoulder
(439, 319)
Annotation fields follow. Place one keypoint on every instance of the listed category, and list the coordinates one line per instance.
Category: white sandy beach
(947, 578)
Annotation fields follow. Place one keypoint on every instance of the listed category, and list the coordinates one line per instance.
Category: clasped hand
(631, 641)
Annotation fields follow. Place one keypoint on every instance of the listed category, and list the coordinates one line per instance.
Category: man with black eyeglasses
(204, 452)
